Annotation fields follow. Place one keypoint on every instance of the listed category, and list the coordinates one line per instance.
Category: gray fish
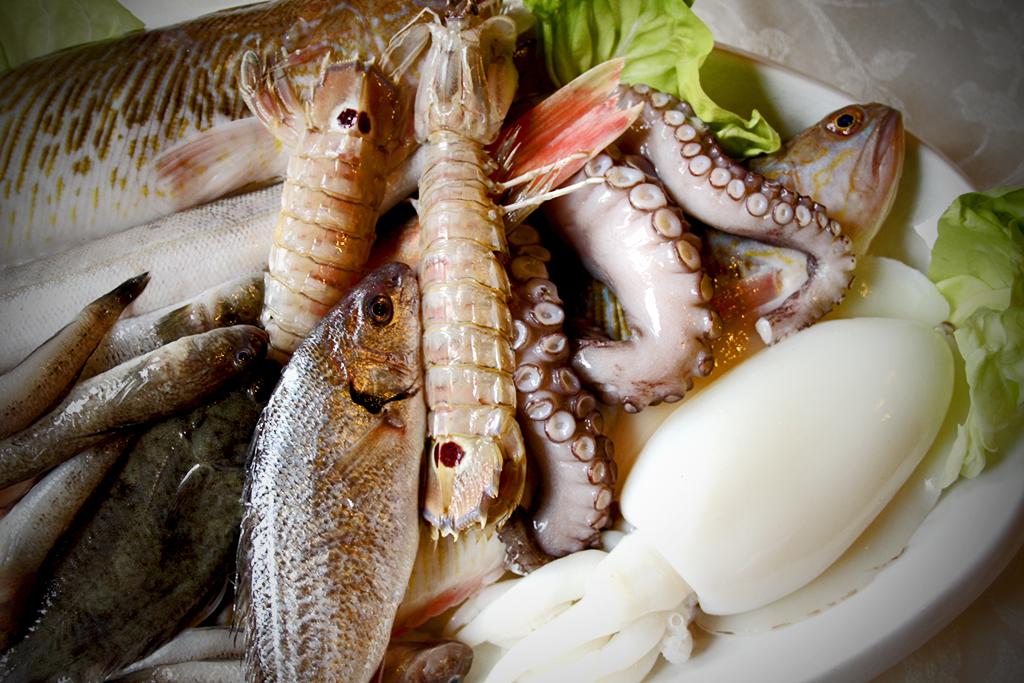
(236, 302)
(432, 661)
(193, 645)
(212, 671)
(331, 524)
(33, 526)
(185, 254)
(42, 379)
(176, 376)
(152, 548)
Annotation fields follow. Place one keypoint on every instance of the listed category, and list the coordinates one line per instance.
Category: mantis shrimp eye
(380, 310)
(846, 122)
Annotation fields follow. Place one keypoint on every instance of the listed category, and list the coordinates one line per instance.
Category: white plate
(976, 527)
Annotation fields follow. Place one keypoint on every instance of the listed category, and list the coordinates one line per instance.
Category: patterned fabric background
(954, 67)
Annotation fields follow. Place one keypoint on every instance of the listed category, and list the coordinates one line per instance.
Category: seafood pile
(227, 201)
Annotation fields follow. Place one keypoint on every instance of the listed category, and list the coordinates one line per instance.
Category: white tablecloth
(955, 68)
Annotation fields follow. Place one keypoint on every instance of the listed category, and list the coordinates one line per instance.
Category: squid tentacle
(715, 190)
(561, 424)
(630, 236)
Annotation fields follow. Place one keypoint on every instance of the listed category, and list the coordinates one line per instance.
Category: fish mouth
(890, 138)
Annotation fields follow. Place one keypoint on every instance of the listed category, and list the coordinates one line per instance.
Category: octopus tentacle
(715, 190)
(560, 420)
(630, 236)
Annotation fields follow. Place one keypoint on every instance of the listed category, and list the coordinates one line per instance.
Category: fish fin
(563, 132)
(190, 489)
(367, 446)
(218, 161)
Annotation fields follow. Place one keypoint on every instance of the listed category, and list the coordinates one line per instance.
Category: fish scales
(150, 550)
(331, 523)
(84, 129)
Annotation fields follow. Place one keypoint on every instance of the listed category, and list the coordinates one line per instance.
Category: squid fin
(219, 161)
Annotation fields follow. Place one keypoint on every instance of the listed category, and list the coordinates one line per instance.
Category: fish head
(850, 162)
(375, 333)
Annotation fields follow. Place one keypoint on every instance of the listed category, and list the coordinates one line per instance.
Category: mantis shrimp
(476, 458)
(344, 141)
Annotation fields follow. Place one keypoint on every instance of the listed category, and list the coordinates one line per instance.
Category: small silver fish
(175, 376)
(150, 550)
(332, 521)
(33, 526)
(184, 253)
(235, 302)
(850, 162)
(47, 374)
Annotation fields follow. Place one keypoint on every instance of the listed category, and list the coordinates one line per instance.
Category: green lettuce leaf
(32, 28)
(664, 44)
(978, 265)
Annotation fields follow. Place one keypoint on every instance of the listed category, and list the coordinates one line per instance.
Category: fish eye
(846, 122)
(242, 357)
(380, 309)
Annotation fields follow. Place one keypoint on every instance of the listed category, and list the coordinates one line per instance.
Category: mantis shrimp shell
(476, 457)
(343, 140)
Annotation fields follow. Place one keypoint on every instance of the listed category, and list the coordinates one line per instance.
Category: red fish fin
(580, 118)
(217, 162)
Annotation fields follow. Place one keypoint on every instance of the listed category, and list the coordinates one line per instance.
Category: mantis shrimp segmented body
(476, 457)
(344, 140)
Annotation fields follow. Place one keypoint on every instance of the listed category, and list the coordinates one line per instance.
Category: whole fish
(185, 254)
(176, 376)
(850, 162)
(47, 374)
(331, 522)
(112, 134)
(151, 549)
(236, 302)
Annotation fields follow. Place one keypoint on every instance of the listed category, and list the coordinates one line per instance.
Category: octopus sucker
(719, 192)
(630, 236)
(561, 423)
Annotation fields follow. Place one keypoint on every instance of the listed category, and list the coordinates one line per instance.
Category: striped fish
(105, 136)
